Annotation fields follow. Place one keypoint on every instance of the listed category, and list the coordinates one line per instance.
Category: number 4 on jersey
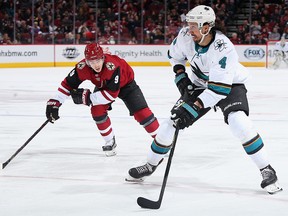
(222, 62)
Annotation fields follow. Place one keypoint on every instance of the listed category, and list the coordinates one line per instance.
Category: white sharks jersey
(214, 67)
(281, 48)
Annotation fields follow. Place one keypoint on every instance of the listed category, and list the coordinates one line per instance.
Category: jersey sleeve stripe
(219, 88)
(107, 96)
(64, 91)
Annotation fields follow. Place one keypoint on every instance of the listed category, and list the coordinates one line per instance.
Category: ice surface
(63, 170)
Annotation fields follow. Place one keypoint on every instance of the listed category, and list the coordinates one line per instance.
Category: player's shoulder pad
(73, 79)
(113, 83)
(81, 65)
(182, 35)
(184, 31)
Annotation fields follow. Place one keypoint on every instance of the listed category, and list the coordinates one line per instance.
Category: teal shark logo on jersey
(220, 45)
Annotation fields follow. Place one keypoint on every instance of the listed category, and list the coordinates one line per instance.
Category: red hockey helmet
(93, 51)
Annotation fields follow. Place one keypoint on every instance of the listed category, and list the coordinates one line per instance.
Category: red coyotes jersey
(115, 74)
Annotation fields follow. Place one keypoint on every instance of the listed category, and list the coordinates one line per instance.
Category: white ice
(63, 171)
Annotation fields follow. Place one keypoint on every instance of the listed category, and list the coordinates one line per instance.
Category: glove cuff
(179, 68)
(180, 76)
(53, 102)
(193, 110)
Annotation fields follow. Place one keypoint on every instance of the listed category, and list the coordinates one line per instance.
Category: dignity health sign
(136, 55)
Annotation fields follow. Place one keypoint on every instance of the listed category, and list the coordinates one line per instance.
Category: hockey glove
(183, 83)
(185, 113)
(81, 96)
(52, 110)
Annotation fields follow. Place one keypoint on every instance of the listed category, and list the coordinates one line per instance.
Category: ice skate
(138, 174)
(109, 148)
(270, 180)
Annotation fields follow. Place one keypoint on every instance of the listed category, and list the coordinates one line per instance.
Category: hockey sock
(162, 142)
(242, 128)
(104, 127)
(147, 119)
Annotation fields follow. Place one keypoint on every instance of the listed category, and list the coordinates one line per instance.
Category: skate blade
(110, 153)
(273, 188)
(134, 180)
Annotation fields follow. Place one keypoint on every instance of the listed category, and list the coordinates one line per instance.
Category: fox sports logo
(254, 53)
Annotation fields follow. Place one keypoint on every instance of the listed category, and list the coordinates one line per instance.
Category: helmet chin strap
(203, 35)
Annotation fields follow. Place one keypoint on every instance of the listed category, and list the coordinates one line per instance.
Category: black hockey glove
(185, 113)
(182, 80)
(81, 96)
(52, 110)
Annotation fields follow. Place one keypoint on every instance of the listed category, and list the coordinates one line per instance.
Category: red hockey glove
(52, 110)
(81, 96)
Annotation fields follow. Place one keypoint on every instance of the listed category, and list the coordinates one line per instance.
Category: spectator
(40, 38)
(284, 18)
(157, 35)
(5, 40)
(258, 39)
(255, 28)
(234, 38)
(133, 41)
(274, 35)
(109, 15)
(256, 12)
(82, 28)
(111, 40)
(247, 39)
(246, 26)
(285, 34)
(69, 38)
(241, 33)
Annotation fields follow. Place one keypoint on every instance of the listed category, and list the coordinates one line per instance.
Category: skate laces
(145, 168)
(267, 173)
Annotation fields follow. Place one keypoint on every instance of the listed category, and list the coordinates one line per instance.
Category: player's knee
(241, 126)
(144, 117)
(99, 110)
(100, 119)
(166, 132)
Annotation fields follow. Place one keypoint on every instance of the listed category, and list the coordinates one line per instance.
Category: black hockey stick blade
(26, 143)
(150, 204)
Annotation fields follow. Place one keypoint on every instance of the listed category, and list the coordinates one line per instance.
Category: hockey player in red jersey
(112, 77)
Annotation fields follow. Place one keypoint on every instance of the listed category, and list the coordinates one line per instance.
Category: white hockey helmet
(201, 14)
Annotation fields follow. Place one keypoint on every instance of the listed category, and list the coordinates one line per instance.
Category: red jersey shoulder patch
(81, 65)
(110, 66)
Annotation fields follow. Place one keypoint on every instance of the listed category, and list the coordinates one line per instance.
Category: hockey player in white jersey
(281, 53)
(218, 80)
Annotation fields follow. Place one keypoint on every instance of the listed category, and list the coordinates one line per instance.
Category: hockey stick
(146, 203)
(20, 149)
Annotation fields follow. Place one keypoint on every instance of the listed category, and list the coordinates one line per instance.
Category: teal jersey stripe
(174, 41)
(254, 146)
(159, 149)
(168, 54)
(219, 89)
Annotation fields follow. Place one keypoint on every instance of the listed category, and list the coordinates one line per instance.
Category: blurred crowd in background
(134, 21)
